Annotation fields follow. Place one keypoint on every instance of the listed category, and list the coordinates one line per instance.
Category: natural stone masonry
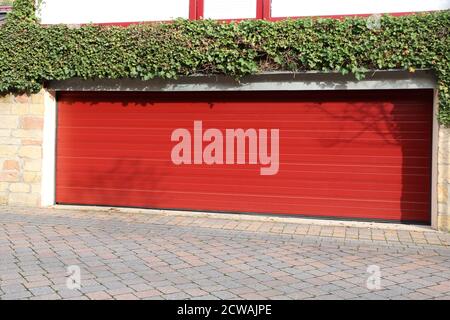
(21, 125)
(443, 179)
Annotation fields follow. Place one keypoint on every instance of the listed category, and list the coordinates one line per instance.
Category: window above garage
(112, 11)
(230, 9)
(5, 7)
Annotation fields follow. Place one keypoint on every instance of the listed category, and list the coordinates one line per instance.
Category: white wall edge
(48, 184)
(270, 81)
(434, 163)
(320, 221)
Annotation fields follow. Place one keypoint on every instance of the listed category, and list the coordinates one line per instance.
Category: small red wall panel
(350, 154)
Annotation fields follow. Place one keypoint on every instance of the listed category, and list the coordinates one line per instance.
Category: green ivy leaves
(31, 54)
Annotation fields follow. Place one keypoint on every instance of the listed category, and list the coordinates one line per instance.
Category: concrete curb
(255, 218)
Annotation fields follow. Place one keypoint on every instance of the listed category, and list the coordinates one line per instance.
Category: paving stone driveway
(157, 256)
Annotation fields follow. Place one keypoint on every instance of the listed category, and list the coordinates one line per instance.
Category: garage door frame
(274, 81)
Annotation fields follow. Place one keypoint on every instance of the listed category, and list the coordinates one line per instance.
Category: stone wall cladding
(443, 179)
(21, 125)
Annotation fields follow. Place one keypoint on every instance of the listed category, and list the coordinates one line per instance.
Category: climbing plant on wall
(31, 54)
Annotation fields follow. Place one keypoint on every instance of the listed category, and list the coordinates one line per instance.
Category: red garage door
(360, 154)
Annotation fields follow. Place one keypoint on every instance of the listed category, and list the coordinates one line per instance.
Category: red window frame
(5, 8)
(197, 9)
(263, 12)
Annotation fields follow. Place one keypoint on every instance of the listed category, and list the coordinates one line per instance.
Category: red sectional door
(360, 154)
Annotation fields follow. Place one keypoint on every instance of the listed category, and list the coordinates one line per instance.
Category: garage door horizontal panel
(227, 206)
(227, 114)
(132, 151)
(360, 160)
(313, 112)
(129, 156)
(166, 168)
(339, 159)
(313, 132)
(150, 152)
(113, 101)
(209, 115)
(358, 97)
(414, 166)
(275, 200)
(344, 150)
(351, 151)
(339, 100)
(346, 124)
(289, 139)
(226, 109)
(306, 189)
(313, 128)
(305, 175)
(221, 202)
(76, 171)
(96, 136)
(351, 154)
(76, 178)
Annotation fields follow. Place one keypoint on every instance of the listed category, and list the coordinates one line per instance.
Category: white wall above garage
(229, 9)
(287, 8)
(107, 11)
(119, 11)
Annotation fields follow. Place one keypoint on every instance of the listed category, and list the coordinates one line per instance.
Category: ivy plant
(31, 53)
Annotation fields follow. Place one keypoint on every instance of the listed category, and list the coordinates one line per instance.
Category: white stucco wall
(116, 11)
(286, 8)
(106, 11)
(229, 9)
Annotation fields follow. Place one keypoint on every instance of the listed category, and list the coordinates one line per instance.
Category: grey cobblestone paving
(139, 256)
